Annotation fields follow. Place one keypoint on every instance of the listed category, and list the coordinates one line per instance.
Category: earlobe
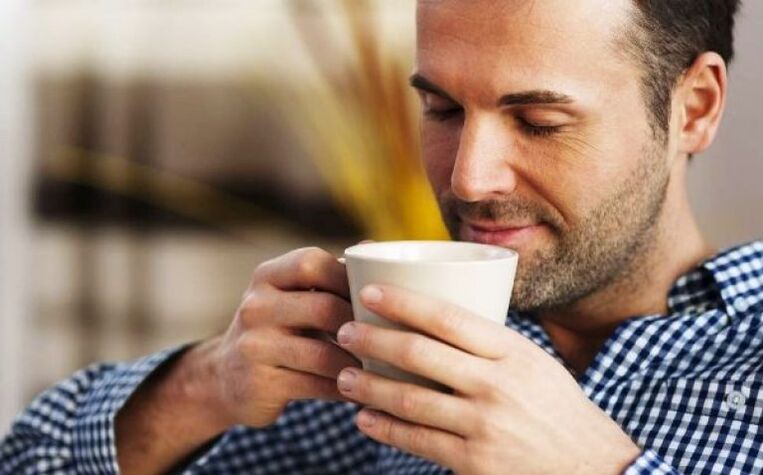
(704, 97)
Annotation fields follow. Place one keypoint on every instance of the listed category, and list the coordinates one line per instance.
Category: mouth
(505, 235)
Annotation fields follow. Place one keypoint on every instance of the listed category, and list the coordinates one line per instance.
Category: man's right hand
(272, 353)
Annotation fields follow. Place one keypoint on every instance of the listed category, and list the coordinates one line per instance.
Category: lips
(506, 235)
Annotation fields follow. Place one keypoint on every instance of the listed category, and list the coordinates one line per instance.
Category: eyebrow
(540, 96)
(534, 97)
(417, 81)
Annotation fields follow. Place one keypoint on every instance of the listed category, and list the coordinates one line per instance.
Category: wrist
(169, 416)
(627, 454)
(620, 453)
(610, 449)
(197, 387)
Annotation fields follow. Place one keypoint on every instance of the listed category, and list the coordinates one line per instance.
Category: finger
(409, 402)
(307, 355)
(432, 444)
(416, 354)
(306, 269)
(444, 321)
(311, 310)
(296, 385)
(320, 311)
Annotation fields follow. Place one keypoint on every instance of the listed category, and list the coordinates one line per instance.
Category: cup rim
(353, 252)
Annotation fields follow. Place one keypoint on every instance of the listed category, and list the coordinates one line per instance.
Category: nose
(482, 169)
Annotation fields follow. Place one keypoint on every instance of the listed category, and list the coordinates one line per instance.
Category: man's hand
(513, 407)
(271, 354)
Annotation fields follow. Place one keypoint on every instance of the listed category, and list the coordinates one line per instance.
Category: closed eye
(438, 107)
(442, 115)
(535, 130)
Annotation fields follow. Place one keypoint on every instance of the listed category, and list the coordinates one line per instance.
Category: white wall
(14, 161)
(201, 39)
(726, 183)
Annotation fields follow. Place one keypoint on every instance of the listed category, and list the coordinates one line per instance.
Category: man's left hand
(513, 407)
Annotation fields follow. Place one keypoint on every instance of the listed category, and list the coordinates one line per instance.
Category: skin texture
(604, 229)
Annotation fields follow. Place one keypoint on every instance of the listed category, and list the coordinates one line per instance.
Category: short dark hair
(667, 36)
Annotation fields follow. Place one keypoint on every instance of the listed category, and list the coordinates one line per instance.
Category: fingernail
(346, 334)
(346, 379)
(371, 294)
(366, 418)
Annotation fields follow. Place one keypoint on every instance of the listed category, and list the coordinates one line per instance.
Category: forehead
(497, 42)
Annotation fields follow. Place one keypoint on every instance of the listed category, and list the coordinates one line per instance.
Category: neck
(677, 246)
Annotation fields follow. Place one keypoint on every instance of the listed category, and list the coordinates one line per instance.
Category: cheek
(581, 180)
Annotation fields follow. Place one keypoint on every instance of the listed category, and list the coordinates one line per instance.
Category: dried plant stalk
(359, 125)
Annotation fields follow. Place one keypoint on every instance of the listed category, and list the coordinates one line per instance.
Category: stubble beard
(602, 249)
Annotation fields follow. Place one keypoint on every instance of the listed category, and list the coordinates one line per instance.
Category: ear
(703, 99)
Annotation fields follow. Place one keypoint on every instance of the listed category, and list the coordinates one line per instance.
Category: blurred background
(154, 153)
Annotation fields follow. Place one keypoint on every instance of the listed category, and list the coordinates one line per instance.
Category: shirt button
(735, 400)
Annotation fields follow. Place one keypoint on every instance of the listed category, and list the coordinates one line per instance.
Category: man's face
(536, 137)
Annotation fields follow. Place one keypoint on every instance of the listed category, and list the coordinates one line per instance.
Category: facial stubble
(601, 249)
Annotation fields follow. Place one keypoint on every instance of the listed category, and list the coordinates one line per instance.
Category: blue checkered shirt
(686, 386)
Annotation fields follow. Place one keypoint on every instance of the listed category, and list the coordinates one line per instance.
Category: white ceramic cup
(476, 277)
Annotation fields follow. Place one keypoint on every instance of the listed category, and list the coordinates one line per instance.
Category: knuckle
(255, 306)
(412, 351)
(408, 402)
(308, 262)
(415, 437)
(450, 321)
(391, 432)
(249, 346)
(485, 387)
(490, 388)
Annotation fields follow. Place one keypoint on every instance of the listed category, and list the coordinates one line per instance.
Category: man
(563, 130)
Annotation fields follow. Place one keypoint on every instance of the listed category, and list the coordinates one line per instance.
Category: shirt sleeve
(649, 463)
(310, 437)
(70, 427)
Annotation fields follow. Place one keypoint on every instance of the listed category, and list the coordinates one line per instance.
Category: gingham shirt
(686, 386)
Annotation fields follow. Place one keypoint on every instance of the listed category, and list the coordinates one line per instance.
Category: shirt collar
(695, 292)
(731, 281)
